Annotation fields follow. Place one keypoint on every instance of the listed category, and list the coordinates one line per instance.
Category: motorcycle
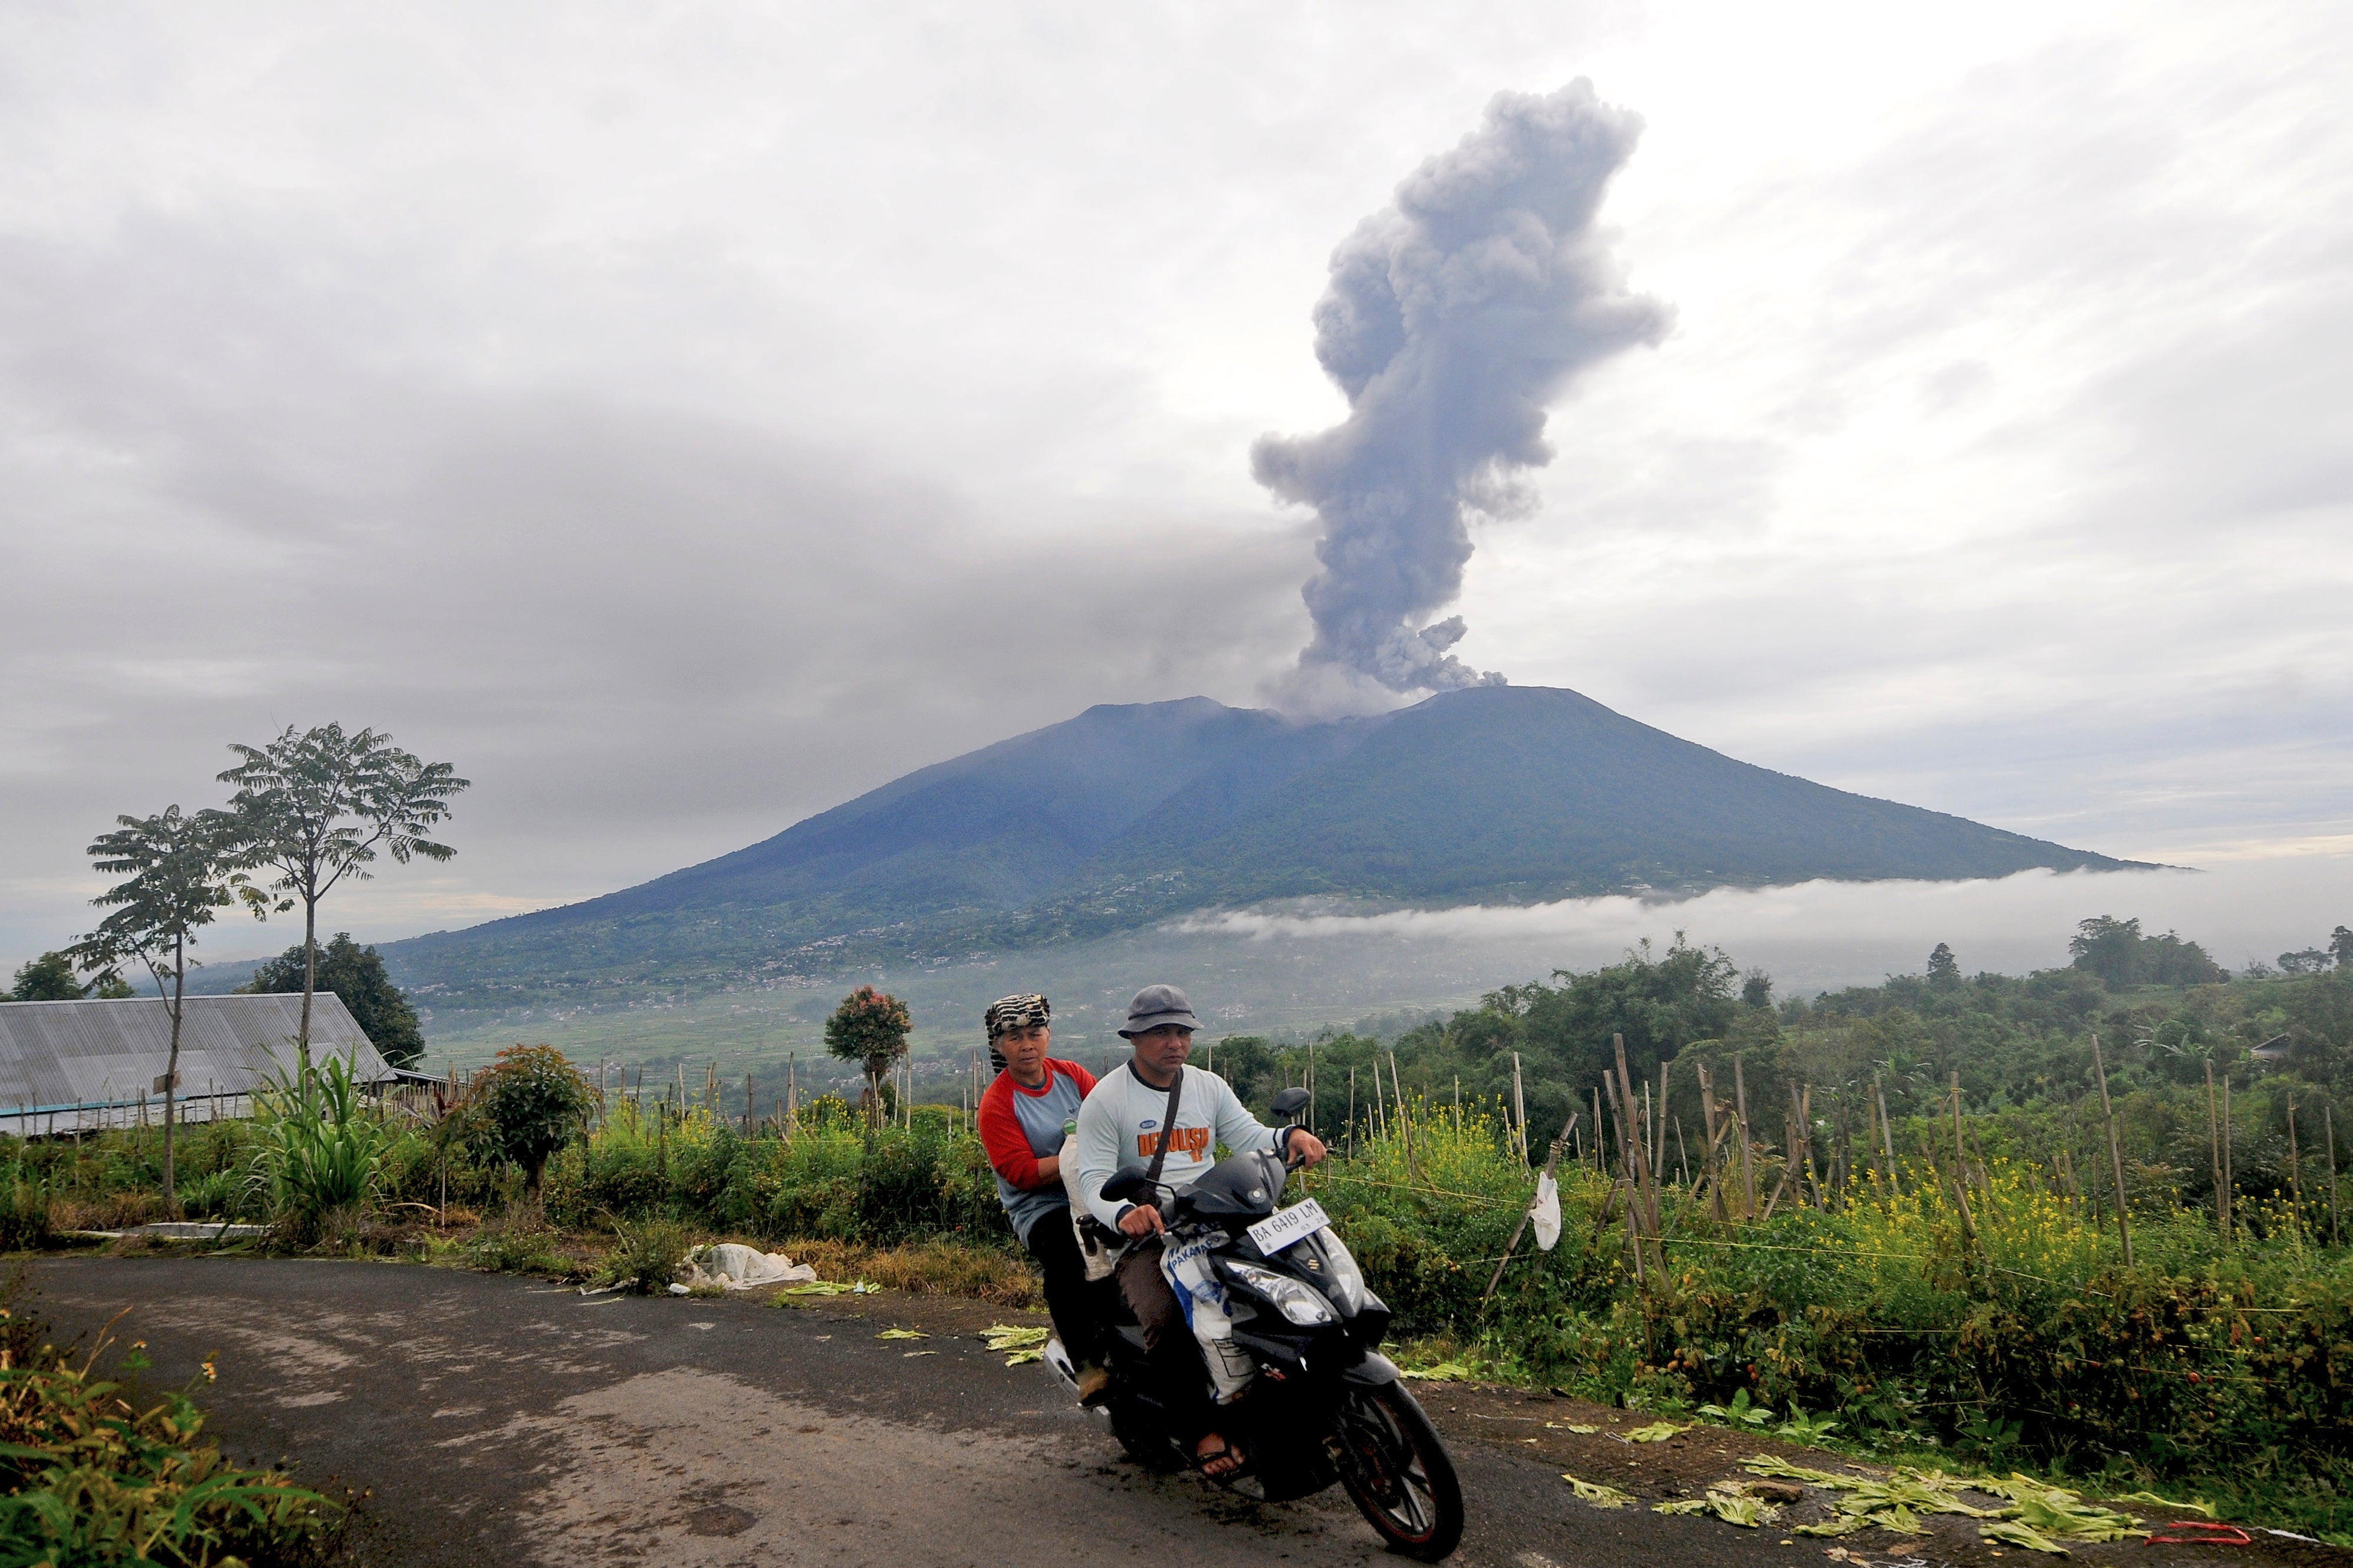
(1324, 1405)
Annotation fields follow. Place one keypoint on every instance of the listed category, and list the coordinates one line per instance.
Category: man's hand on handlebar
(1305, 1148)
(1142, 1220)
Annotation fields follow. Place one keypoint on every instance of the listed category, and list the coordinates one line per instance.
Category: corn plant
(321, 1152)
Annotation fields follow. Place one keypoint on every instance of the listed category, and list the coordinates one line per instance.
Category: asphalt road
(503, 1420)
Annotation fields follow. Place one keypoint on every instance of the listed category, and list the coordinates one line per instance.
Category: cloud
(1454, 318)
(1824, 933)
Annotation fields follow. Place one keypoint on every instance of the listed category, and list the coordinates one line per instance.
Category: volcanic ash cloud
(1453, 318)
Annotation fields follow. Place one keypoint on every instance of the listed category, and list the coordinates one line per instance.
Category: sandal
(1225, 1453)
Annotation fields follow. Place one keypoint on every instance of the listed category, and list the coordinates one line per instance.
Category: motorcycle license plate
(1297, 1223)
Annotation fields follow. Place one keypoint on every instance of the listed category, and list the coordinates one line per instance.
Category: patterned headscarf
(1023, 1012)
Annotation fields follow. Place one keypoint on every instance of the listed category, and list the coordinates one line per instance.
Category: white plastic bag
(740, 1268)
(1547, 1212)
(1202, 1296)
(1099, 1258)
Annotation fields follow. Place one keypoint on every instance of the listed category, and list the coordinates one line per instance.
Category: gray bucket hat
(1154, 1005)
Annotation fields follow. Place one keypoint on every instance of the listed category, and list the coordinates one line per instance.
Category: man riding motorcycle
(1155, 1109)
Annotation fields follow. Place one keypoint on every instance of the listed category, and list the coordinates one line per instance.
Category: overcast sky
(682, 418)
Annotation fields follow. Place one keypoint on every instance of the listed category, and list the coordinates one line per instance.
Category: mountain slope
(1127, 814)
(1511, 794)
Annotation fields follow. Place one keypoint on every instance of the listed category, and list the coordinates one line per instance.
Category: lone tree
(317, 807)
(529, 1103)
(1944, 969)
(356, 974)
(869, 1028)
(180, 869)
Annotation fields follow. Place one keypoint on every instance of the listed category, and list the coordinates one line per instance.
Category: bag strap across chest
(1167, 1126)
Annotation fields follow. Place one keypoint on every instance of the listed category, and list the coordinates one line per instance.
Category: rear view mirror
(1125, 1185)
(1291, 1102)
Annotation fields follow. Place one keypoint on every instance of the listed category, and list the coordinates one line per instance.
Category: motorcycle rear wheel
(1397, 1471)
(1142, 1437)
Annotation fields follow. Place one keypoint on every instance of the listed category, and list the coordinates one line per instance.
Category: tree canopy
(356, 974)
(528, 1104)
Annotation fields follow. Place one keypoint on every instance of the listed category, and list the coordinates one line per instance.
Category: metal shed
(68, 1066)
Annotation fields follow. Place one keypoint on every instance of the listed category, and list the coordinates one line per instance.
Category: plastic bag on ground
(738, 1267)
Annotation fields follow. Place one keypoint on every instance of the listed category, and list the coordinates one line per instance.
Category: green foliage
(356, 974)
(2121, 956)
(319, 1152)
(319, 805)
(869, 1028)
(528, 1104)
(26, 1219)
(92, 1479)
(648, 1255)
(48, 978)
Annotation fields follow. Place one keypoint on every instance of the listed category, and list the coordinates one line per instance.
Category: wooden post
(1647, 1183)
(1551, 1162)
(1960, 1154)
(1519, 1107)
(1352, 1113)
(2214, 1153)
(2329, 1122)
(1740, 1104)
(1683, 1152)
(1600, 1142)
(2295, 1177)
(1886, 1133)
(2229, 1179)
(2115, 1149)
(1405, 1120)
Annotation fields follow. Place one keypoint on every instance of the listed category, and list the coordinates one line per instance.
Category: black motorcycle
(1324, 1405)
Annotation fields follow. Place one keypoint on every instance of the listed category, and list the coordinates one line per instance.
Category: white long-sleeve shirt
(1119, 1125)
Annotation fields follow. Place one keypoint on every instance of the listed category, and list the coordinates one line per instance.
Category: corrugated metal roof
(87, 1064)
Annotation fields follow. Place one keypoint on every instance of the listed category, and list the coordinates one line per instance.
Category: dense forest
(2164, 1015)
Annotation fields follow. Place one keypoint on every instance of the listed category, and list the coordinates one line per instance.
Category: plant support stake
(2115, 1149)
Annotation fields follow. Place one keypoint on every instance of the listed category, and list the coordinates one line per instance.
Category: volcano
(1128, 815)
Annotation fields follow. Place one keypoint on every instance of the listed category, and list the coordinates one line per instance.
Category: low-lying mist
(1300, 971)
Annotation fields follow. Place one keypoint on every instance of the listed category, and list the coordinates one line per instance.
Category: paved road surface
(507, 1421)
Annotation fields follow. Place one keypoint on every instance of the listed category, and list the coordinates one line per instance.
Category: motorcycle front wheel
(1397, 1471)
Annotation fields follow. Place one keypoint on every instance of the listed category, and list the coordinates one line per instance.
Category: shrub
(24, 1220)
(647, 1256)
(526, 1105)
(91, 1478)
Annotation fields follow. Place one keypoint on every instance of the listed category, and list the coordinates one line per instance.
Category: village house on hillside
(67, 1066)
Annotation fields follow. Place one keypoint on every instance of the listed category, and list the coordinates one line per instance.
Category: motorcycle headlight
(1292, 1299)
(1347, 1279)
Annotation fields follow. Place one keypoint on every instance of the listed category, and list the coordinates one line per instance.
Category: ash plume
(1453, 317)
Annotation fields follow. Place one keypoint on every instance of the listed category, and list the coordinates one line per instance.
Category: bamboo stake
(1886, 1131)
(2230, 1178)
(2214, 1153)
(1519, 1110)
(2295, 1177)
(1748, 1167)
(1352, 1113)
(1551, 1162)
(1681, 1153)
(1641, 1166)
(2115, 1149)
(2329, 1122)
